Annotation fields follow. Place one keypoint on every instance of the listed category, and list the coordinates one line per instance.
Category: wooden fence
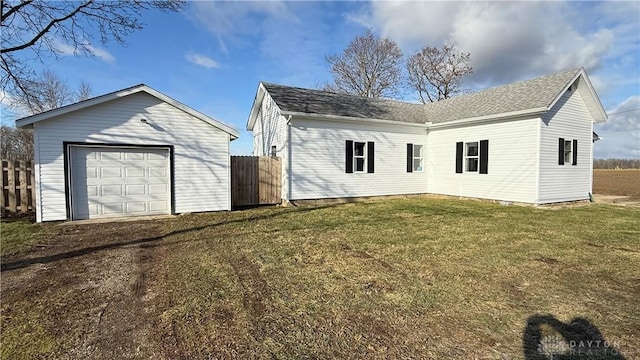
(17, 186)
(255, 180)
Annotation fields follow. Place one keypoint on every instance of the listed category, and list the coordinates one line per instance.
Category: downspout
(289, 153)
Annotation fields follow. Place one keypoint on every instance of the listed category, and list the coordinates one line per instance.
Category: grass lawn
(19, 236)
(401, 278)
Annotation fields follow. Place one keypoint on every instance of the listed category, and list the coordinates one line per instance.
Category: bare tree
(84, 91)
(35, 29)
(369, 66)
(52, 93)
(16, 144)
(437, 74)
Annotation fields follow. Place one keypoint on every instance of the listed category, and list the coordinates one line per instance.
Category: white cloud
(288, 39)
(508, 41)
(621, 133)
(231, 20)
(68, 50)
(201, 60)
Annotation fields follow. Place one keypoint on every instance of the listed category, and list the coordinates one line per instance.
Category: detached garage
(129, 153)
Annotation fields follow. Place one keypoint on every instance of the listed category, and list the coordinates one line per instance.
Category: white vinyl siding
(568, 119)
(269, 131)
(318, 160)
(201, 151)
(512, 161)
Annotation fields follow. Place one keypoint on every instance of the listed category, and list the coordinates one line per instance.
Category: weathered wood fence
(255, 180)
(17, 186)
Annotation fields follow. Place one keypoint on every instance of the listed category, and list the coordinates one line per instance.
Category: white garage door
(116, 182)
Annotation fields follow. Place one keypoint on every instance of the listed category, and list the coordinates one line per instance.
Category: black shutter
(409, 157)
(459, 150)
(560, 151)
(370, 157)
(575, 152)
(484, 156)
(349, 157)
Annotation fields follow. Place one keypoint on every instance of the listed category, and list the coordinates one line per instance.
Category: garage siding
(201, 151)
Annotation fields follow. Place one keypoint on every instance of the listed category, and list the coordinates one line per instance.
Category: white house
(131, 152)
(529, 141)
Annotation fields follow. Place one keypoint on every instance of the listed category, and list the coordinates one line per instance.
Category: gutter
(350, 118)
(489, 118)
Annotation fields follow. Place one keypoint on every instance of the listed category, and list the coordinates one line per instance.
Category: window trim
(414, 158)
(568, 151)
(363, 157)
(468, 157)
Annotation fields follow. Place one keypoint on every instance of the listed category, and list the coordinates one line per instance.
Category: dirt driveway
(94, 278)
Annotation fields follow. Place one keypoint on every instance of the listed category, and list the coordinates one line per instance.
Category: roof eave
(255, 108)
(601, 111)
(490, 118)
(30, 120)
(350, 119)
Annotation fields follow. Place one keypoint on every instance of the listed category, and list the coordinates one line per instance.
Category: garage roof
(29, 120)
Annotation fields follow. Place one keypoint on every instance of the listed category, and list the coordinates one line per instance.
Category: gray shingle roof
(309, 101)
(519, 96)
(524, 95)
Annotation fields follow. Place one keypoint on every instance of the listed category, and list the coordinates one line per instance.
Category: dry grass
(401, 278)
(396, 279)
(617, 182)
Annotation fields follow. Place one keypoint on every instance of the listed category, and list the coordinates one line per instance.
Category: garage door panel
(137, 207)
(158, 189)
(134, 172)
(134, 156)
(135, 190)
(111, 155)
(159, 206)
(156, 156)
(109, 182)
(111, 172)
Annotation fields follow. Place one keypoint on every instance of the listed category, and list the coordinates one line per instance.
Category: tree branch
(46, 29)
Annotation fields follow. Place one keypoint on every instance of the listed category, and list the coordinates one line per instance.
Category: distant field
(617, 182)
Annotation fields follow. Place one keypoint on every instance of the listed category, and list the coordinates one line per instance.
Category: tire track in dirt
(256, 293)
(95, 303)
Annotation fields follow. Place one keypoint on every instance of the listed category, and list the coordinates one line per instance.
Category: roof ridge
(342, 94)
(494, 88)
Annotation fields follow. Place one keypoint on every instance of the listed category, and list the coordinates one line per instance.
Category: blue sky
(213, 55)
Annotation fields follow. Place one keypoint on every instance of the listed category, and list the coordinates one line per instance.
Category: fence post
(24, 196)
(11, 183)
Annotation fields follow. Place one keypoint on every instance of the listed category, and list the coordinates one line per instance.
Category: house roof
(29, 120)
(307, 101)
(520, 98)
(538, 94)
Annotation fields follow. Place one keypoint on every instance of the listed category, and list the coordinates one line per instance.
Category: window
(359, 157)
(417, 158)
(274, 151)
(567, 151)
(471, 157)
